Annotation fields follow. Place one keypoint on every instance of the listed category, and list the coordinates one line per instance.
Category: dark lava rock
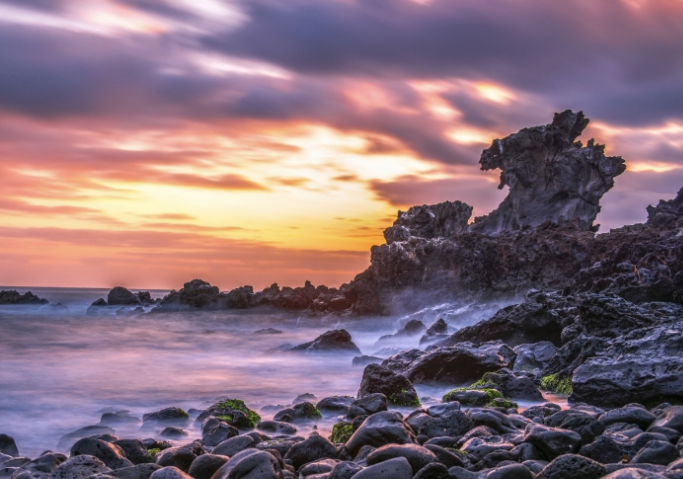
(134, 451)
(417, 456)
(397, 468)
(118, 417)
(671, 417)
(66, 441)
(604, 450)
(513, 385)
(368, 405)
(510, 471)
(169, 472)
(314, 448)
(180, 457)
(453, 365)
(276, 427)
(232, 446)
(584, 425)
(215, 431)
(121, 296)
(334, 405)
(234, 412)
(80, 467)
(168, 415)
(656, 452)
(550, 176)
(206, 465)
(268, 331)
(446, 219)
(344, 470)
(365, 360)
(110, 454)
(41, 467)
(438, 331)
(433, 471)
(172, 432)
(140, 471)
(13, 297)
(534, 356)
(338, 340)
(301, 412)
(639, 416)
(552, 442)
(453, 423)
(8, 446)
(468, 397)
(396, 387)
(379, 429)
(572, 466)
(642, 366)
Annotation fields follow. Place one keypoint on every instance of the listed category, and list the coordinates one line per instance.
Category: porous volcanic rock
(13, 297)
(338, 340)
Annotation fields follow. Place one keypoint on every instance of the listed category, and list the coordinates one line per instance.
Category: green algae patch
(404, 398)
(153, 451)
(224, 410)
(341, 432)
(309, 411)
(556, 384)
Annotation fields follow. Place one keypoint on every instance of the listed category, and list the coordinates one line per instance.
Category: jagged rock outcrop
(550, 175)
(540, 237)
(441, 220)
(13, 297)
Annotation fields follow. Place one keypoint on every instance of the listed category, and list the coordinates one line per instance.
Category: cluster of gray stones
(444, 441)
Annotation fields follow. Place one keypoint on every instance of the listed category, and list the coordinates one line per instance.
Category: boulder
(140, 471)
(120, 296)
(656, 452)
(572, 466)
(510, 471)
(80, 467)
(276, 427)
(397, 388)
(368, 405)
(14, 298)
(379, 429)
(533, 356)
(365, 360)
(205, 466)
(215, 431)
(232, 446)
(344, 470)
(41, 467)
(438, 331)
(552, 442)
(397, 468)
(232, 411)
(671, 417)
(312, 449)
(642, 367)
(334, 405)
(110, 454)
(8, 445)
(452, 365)
(169, 472)
(512, 385)
(604, 450)
(169, 415)
(180, 457)
(302, 412)
(639, 416)
(66, 441)
(417, 456)
(337, 341)
(453, 423)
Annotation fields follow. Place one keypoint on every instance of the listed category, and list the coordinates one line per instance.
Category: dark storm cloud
(616, 61)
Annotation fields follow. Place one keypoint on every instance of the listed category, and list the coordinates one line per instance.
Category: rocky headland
(600, 322)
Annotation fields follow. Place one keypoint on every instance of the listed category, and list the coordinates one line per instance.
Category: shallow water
(59, 369)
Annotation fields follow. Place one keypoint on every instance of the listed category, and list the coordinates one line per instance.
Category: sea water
(61, 368)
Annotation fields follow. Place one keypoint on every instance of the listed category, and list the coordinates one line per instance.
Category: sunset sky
(149, 142)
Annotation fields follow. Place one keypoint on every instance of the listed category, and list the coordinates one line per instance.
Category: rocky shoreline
(601, 322)
(476, 432)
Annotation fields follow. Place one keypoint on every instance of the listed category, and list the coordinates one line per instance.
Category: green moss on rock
(224, 410)
(153, 451)
(557, 384)
(341, 432)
